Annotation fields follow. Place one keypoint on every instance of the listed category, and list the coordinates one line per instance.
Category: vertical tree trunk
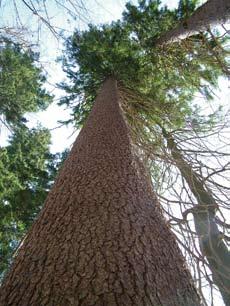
(100, 238)
(212, 13)
(211, 241)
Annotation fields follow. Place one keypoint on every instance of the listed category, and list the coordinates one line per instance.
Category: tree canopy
(22, 81)
(27, 168)
(125, 49)
(24, 184)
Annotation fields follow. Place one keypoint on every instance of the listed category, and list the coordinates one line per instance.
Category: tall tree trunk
(100, 238)
(211, 241)
(212, 13)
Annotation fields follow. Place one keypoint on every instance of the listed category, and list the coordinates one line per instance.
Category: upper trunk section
(100, 238)
(212, 13)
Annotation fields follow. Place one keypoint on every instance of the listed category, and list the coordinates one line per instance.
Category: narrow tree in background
(211, 241)
(100, 238)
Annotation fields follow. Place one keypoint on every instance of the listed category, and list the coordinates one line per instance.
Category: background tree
(24, 185)
(27, 172)
(195, 176)
(211, 239)
(22, 81)
(27, 168)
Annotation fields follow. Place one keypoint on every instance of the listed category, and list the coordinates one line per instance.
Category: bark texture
(211, 241)
(212, 13)
(100, 238)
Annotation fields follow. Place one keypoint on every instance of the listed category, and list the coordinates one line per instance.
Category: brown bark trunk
(212, 13)
(211, 241)
(100, 238)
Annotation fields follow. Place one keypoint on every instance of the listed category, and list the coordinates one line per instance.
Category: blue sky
(97, 12)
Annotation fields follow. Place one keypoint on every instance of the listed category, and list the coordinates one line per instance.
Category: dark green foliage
(24, 181)
(149, 20)
(186, 8)
(27, 171)
(99, 52)
(167, 77)
(20, 84)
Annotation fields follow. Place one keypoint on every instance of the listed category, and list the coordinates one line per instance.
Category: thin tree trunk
(211, 243)
(100, 238)
(212, 13)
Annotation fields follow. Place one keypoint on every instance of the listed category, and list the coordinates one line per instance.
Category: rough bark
(212, 13)
(100, 238)
(211, 241)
